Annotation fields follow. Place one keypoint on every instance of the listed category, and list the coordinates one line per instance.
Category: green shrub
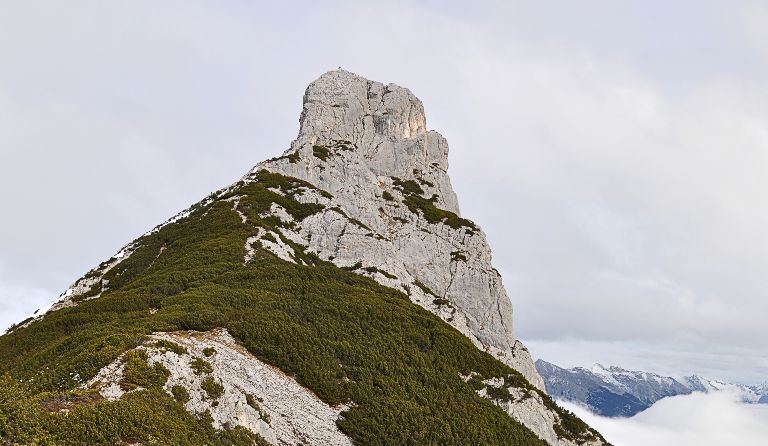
(251, 401)
(498, 393)
(321, 152)
(293, 158)
(201, 366)
(359, 223)
(416, 203)
(180, 393)
(476, 382)
(212, 388)
(425, 289)
(147, 417)
(424, 182)
(373, 269)
(171, 347)
(137, 373)
(209, 351)
(408, 187)
(354, 267)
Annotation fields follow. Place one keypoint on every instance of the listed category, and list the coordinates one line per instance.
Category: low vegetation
(213, 389)
(138, 374)
(458, 256)
(146, 417)
(180, 393)
(425, 289)
(342, 335)
(170, 346)
(321, 152)
(200, 366)
(209, 351)
(374, 270)
(417, 203)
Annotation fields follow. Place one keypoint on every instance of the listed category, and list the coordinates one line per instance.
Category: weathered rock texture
(530, 410)
(280, 409)
(362, 142)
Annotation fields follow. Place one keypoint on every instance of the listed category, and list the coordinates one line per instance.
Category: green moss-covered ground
(342, 335)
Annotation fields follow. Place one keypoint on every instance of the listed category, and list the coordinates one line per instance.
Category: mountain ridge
(616, 392)
(341, 268)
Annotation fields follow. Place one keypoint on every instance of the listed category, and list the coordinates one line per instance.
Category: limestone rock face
(393, 214)
(254, 395)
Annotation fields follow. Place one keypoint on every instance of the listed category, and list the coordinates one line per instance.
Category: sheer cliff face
(366, 143)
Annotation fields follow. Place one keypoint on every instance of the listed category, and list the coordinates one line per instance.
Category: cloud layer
(698, 419)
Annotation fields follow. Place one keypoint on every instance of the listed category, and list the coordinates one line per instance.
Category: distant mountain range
(616, 392)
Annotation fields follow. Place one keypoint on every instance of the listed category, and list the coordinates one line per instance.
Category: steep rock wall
(367, 145)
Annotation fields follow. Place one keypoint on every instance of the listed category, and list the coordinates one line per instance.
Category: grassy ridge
(342, 335)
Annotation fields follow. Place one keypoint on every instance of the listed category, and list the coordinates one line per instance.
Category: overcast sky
(614, 152)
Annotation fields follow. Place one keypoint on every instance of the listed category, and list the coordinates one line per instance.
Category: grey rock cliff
(360, 141)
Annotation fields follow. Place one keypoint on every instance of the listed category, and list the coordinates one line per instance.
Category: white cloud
(698, 419)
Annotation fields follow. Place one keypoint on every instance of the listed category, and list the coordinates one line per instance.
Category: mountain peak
(341, 105)
(319, 273)
(366, 144)
(598, 368)
(355, 132)
(347, 119)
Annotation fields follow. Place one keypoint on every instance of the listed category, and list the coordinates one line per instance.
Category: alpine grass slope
(333, 295)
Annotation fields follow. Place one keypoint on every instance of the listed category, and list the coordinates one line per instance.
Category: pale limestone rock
(287, 413)
(528, 408)
(374, 133)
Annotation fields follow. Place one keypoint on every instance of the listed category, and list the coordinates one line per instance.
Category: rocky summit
(334, 295)
(367, 145)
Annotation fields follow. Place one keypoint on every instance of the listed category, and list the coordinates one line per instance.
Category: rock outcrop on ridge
(367, 144)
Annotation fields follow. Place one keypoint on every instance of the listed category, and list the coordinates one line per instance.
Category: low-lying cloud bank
(698, 419)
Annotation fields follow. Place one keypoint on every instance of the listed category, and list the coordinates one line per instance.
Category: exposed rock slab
(286, 412)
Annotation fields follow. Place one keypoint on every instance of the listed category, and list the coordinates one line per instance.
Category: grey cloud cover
(615, 154)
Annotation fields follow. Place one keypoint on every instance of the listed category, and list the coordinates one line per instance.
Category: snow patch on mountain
(614, 391)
